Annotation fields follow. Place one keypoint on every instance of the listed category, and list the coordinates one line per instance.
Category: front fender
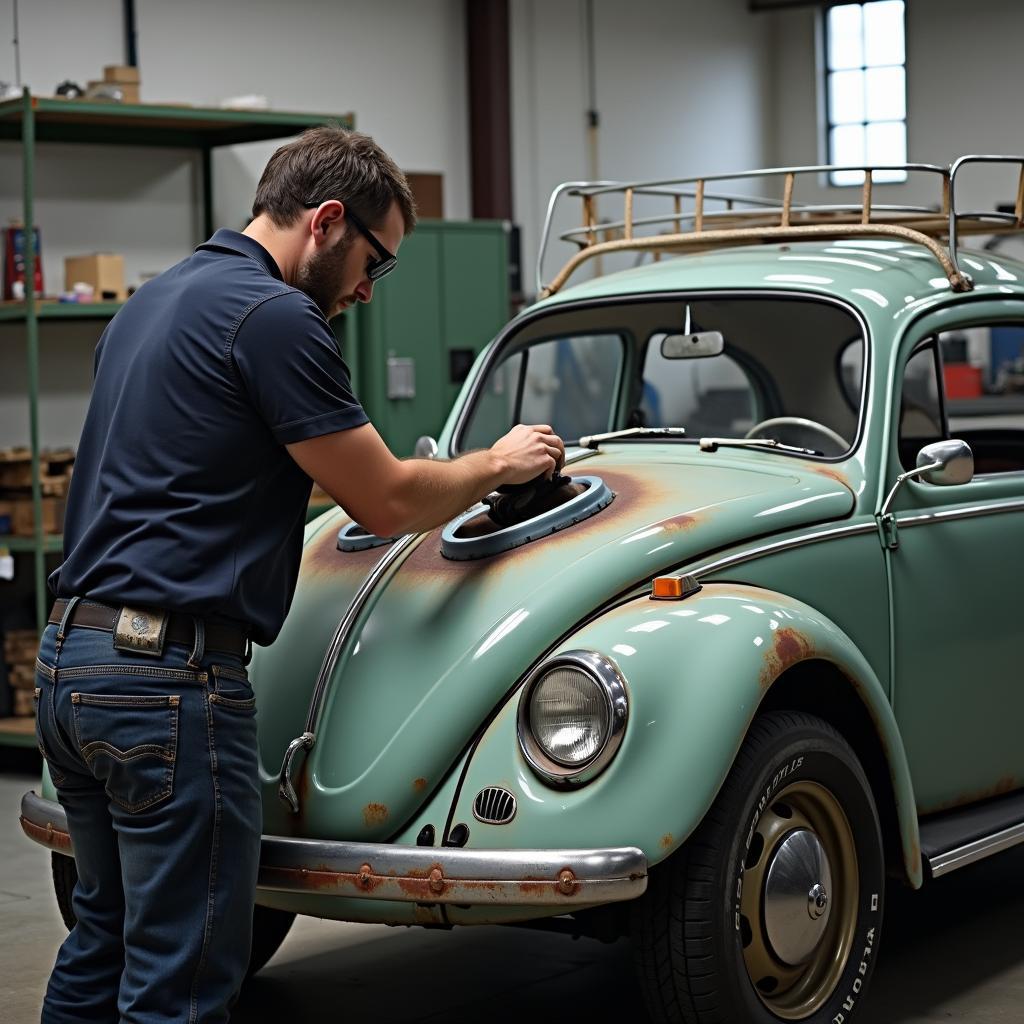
(697, 671)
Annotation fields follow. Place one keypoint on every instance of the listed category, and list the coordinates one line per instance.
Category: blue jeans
(155, 764)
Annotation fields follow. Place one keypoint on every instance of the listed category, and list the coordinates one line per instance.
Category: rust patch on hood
(667, 840)
(418, 785)
(789, 646)
(321, 554)
(375, 814)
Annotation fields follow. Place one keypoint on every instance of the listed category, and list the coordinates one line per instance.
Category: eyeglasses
(386, 262)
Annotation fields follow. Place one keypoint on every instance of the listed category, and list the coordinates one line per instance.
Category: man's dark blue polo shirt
(183, 496)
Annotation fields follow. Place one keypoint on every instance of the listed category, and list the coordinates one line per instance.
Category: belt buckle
(140, 631)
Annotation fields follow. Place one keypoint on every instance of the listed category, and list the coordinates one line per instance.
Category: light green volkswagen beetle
(754, 655)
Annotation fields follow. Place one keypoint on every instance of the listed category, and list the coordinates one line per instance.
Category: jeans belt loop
(62, 627)
(199, 648)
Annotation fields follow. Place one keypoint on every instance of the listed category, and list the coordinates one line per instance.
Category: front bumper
(414, 874)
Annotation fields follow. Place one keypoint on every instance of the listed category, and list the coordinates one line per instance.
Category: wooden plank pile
(16, 489)
(20, 647)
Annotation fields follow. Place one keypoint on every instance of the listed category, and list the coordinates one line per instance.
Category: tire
(269, 926)
(725, 935)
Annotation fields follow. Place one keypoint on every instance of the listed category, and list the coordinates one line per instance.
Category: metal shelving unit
(31, 120)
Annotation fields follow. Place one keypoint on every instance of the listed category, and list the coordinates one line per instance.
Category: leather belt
(181, 628)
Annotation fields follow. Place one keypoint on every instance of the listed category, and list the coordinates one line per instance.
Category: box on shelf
(54, 471)
(23, 523)
(125, 74)
(23, 702)
(103, 270)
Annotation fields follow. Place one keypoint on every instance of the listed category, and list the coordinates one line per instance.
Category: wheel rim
(801, 889)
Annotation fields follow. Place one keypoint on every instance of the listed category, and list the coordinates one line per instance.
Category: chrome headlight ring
(604, 673)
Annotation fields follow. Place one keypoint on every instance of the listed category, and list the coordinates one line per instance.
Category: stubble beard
(320, 275)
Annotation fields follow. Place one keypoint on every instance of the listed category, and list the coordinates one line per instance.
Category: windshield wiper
(593, 440)
(712, 444)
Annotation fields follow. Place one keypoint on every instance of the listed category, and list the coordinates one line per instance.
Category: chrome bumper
(414, 874)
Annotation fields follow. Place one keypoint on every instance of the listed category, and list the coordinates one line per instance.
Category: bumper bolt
(566, 882)
(436, 880)
(365, 876)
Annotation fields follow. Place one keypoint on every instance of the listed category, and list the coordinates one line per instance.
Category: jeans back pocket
(130, 743)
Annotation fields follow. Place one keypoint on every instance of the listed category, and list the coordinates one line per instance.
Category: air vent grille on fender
(494, 806)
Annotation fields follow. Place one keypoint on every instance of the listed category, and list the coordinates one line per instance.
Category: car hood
(440, 642)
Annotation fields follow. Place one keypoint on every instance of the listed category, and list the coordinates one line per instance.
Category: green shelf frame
(59, 310)
(34, 119)
(51, 543)
(17, 732)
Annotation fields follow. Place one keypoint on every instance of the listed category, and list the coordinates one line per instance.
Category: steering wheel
(759, 429)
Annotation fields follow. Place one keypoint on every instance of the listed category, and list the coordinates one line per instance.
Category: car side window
(568, 382)
(921, 414)
(983, 376)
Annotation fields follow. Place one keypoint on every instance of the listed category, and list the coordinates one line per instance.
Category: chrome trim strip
(613, 687)
(987, 846)
(750, 554)
(415, 874)
(996, 508)
(285, 789)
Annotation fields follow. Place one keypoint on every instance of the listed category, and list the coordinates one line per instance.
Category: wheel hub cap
(796, 897)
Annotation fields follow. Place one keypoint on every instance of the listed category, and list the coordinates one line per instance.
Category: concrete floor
(954, 952)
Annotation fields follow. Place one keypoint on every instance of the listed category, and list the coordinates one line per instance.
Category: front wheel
(772, 909)
(269, 926)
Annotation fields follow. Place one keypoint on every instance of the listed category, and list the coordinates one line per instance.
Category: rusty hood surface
(441, 642)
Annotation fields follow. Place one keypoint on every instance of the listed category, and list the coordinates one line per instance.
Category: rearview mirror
(952, 462)
(692, 346)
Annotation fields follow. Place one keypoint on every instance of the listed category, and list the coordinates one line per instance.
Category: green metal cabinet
(411, 348)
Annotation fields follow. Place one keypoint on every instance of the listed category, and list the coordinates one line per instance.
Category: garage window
(866, 88)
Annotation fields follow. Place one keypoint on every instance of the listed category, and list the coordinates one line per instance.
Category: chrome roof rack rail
(737, 219)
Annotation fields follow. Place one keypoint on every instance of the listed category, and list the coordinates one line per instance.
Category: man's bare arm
(390, 496)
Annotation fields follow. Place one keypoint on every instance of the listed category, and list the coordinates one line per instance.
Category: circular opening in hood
(480, 533)
(352, 537)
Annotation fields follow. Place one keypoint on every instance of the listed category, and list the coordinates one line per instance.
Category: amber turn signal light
(674, 588)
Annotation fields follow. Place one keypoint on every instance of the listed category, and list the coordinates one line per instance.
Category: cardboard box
(123, 74)
(24, 703)
(23, 524)
(103, 270)
(428, 191)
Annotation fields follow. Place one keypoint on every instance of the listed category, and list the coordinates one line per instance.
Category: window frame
(826, 93)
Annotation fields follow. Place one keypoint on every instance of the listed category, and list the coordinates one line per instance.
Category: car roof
(871, 274)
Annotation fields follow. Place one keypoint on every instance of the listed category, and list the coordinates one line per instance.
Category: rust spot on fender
(418, 785)
(375, 814)
(789, 646)
(832, 474)
(321, 556)
(667, 840)
(676, 524)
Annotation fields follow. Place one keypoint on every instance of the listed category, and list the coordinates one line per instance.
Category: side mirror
(426, 448)
(946, 462)
(692, 346)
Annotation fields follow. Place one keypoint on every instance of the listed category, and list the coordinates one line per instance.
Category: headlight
(572, 715)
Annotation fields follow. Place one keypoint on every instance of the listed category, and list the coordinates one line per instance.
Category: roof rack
(701, 219)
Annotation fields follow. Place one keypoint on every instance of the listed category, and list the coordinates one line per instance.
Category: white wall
(398, 65)
(681, 88)
(964, 84)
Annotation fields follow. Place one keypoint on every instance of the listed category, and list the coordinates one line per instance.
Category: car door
(956, 574)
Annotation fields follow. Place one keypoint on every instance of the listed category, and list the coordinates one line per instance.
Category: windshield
(785, 369)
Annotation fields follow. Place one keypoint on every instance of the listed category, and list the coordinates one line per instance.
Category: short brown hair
(332, 163)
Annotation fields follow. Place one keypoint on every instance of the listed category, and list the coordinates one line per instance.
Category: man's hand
(390, 496)
(529, 452)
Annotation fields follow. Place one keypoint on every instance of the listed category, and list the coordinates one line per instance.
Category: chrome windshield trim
(728, 561)
(414, 874)
(993, 509)
(979, 849)
(513, 327)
